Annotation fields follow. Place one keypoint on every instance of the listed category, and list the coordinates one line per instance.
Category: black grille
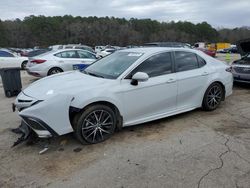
(243, 70)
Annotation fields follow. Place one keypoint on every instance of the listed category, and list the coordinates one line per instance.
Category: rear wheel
(213, 97)
(96, 124)
(54, 70)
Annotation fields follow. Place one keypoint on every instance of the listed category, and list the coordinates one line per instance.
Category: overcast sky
(219, 13)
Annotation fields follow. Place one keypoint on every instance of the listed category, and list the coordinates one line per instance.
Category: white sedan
(128, 87)
(54, 62)
(9, 59)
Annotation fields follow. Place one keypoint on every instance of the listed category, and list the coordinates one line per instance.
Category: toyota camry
(126, 88)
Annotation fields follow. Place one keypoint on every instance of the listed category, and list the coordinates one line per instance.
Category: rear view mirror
(139, 77)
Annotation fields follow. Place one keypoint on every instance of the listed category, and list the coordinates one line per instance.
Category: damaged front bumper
(47, 118)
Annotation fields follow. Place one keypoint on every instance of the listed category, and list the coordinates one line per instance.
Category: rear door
(192, 76)
(68, 59)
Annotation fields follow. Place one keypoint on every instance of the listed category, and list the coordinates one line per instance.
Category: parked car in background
(126, 88)
(168, 44)
(9, 59)
(72, 46)
(230, 50)
(99, 48)
(105, 52)
(211, 53)
(58, 61)
(241, 67)
(37, 52)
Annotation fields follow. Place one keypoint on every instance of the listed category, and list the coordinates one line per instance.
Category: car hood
(243, 47)
(241, 62)
(64, 83)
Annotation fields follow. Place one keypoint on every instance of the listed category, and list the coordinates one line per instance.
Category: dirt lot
(194, 149)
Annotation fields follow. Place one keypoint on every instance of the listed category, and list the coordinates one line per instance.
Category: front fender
(80, 103)
(53, 111)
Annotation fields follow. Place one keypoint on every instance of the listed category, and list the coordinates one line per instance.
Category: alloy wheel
(214, 96)
(97, 126)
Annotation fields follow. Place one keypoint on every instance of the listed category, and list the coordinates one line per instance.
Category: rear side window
(84, 54)
(67, 54)
(185, 61)
(201, 61)
(156, 65)
(5, 54)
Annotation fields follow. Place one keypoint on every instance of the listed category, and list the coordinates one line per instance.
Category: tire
(213, 97)
(24, 64)
(54, 70)
(95, 124)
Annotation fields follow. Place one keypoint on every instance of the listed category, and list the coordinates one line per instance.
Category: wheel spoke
(89, 122)
(100, 133)
(89, 127)
(94, 135)
(100, 116)
(91, 133)
(104, 130)
(106, 119)
(96, 117)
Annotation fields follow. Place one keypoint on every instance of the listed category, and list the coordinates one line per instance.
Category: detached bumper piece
(25, 131)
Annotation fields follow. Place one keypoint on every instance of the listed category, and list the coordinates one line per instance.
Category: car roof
(151, 50)
(70, 49)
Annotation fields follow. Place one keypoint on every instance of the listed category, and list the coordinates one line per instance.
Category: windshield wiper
(85, 72)
(96, 75)
(92, 74)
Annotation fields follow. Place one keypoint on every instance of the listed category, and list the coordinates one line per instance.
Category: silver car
(241, 67)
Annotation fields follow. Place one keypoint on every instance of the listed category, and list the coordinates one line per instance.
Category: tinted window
(156, 65)
(185, 61)
(67, 54)
(201, 61)
(5, 54)
(84, 54)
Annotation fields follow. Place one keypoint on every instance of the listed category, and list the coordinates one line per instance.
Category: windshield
(114, 65)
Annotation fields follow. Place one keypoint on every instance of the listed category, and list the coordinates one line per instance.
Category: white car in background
(105, 52)
(9, 59)
(126, 88)
(54, 62)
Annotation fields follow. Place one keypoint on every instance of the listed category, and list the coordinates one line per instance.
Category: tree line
(45, 31)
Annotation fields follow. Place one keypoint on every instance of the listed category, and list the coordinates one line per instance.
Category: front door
(153, 97)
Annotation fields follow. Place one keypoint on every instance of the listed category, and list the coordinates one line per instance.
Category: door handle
(171, 80)
(205, 73)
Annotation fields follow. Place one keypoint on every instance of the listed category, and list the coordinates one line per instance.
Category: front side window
(5, 54)
(67, 54)
(156, 65)
(185, 61)
(84, 54)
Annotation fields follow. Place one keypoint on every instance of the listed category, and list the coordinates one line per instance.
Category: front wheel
(212, 97)
(96, 124)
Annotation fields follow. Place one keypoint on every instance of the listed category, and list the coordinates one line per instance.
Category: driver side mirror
(139, 77)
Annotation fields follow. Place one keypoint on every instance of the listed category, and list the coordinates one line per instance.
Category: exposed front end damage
(46, 118)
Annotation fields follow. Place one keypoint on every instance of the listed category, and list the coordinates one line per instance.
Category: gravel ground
(194, 149)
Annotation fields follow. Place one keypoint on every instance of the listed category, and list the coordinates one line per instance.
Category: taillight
(38, 61)
(229, 69)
